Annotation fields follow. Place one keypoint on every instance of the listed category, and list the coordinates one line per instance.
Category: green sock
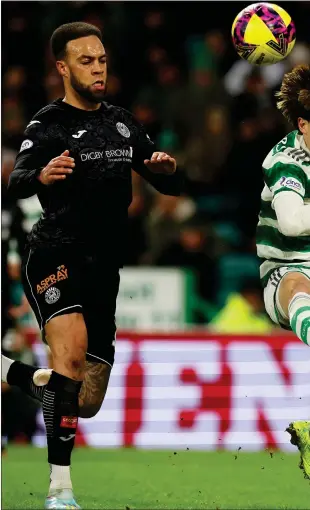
(299, 314)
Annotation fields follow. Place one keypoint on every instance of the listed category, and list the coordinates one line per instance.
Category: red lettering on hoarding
(133, 404)
(80, 439)
(263, 424)
(215, 397)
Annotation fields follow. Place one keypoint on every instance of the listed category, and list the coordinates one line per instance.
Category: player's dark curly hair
(294, 95)
(68, 32)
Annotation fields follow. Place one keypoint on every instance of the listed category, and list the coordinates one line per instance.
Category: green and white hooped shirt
(286, 168)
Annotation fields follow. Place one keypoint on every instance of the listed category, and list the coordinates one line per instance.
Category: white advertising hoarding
(203, 392)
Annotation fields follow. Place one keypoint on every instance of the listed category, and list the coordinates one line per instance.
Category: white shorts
(271, 294)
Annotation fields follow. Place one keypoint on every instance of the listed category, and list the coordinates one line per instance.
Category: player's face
(87, 68)
(304, 127)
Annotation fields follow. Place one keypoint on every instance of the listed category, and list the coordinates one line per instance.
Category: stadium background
(193, 327)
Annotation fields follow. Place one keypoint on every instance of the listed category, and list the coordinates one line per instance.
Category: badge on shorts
(123, 130)
(52, 295)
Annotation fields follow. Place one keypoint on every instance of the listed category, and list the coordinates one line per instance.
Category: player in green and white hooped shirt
(283, 232)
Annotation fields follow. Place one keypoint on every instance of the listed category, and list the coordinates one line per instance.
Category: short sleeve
(286, 177)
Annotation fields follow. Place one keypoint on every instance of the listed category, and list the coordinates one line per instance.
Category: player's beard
(92, 96)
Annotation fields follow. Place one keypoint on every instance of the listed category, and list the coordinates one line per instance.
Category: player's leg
(94, 387)
(67, 338)
(300, 437)
(99, 313)
(51, 283)
(99, 308)
(294, 303)
(291, 297)
(294, 298)
(33, 381)
(28, 378)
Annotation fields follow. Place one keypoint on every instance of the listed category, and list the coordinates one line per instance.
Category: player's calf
(294, 298)
(33, 381)
(67, 339)
(93, 389)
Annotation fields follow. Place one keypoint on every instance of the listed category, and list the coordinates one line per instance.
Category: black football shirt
(90, 207)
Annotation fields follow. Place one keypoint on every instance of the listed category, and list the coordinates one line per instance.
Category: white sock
(60, 478)
(5, 365)
(299, 314)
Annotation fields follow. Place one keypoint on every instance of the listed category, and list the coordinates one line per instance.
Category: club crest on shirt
(123, 130)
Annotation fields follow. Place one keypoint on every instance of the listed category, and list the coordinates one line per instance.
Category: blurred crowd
(173, 65)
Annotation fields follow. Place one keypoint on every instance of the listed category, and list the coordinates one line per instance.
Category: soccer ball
(263, 33)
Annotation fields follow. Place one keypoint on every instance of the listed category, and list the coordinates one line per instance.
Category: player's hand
(161, 163)
(57, 169)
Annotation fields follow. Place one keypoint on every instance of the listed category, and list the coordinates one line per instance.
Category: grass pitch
(150, 480)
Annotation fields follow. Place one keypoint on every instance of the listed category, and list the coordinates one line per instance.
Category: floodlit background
(189, 373)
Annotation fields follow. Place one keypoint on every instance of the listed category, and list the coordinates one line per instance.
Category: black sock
(21, 375)
(60, 411)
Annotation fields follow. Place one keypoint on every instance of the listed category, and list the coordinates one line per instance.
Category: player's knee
(72, 360)
(72, 365)
(76, 363)
(295, 283)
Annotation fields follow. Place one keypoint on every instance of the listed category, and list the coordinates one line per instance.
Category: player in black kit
(77, 157)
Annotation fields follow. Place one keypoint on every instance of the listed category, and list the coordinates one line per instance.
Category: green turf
(116, 479)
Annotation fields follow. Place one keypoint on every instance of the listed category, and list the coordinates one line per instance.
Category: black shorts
(63, 280)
